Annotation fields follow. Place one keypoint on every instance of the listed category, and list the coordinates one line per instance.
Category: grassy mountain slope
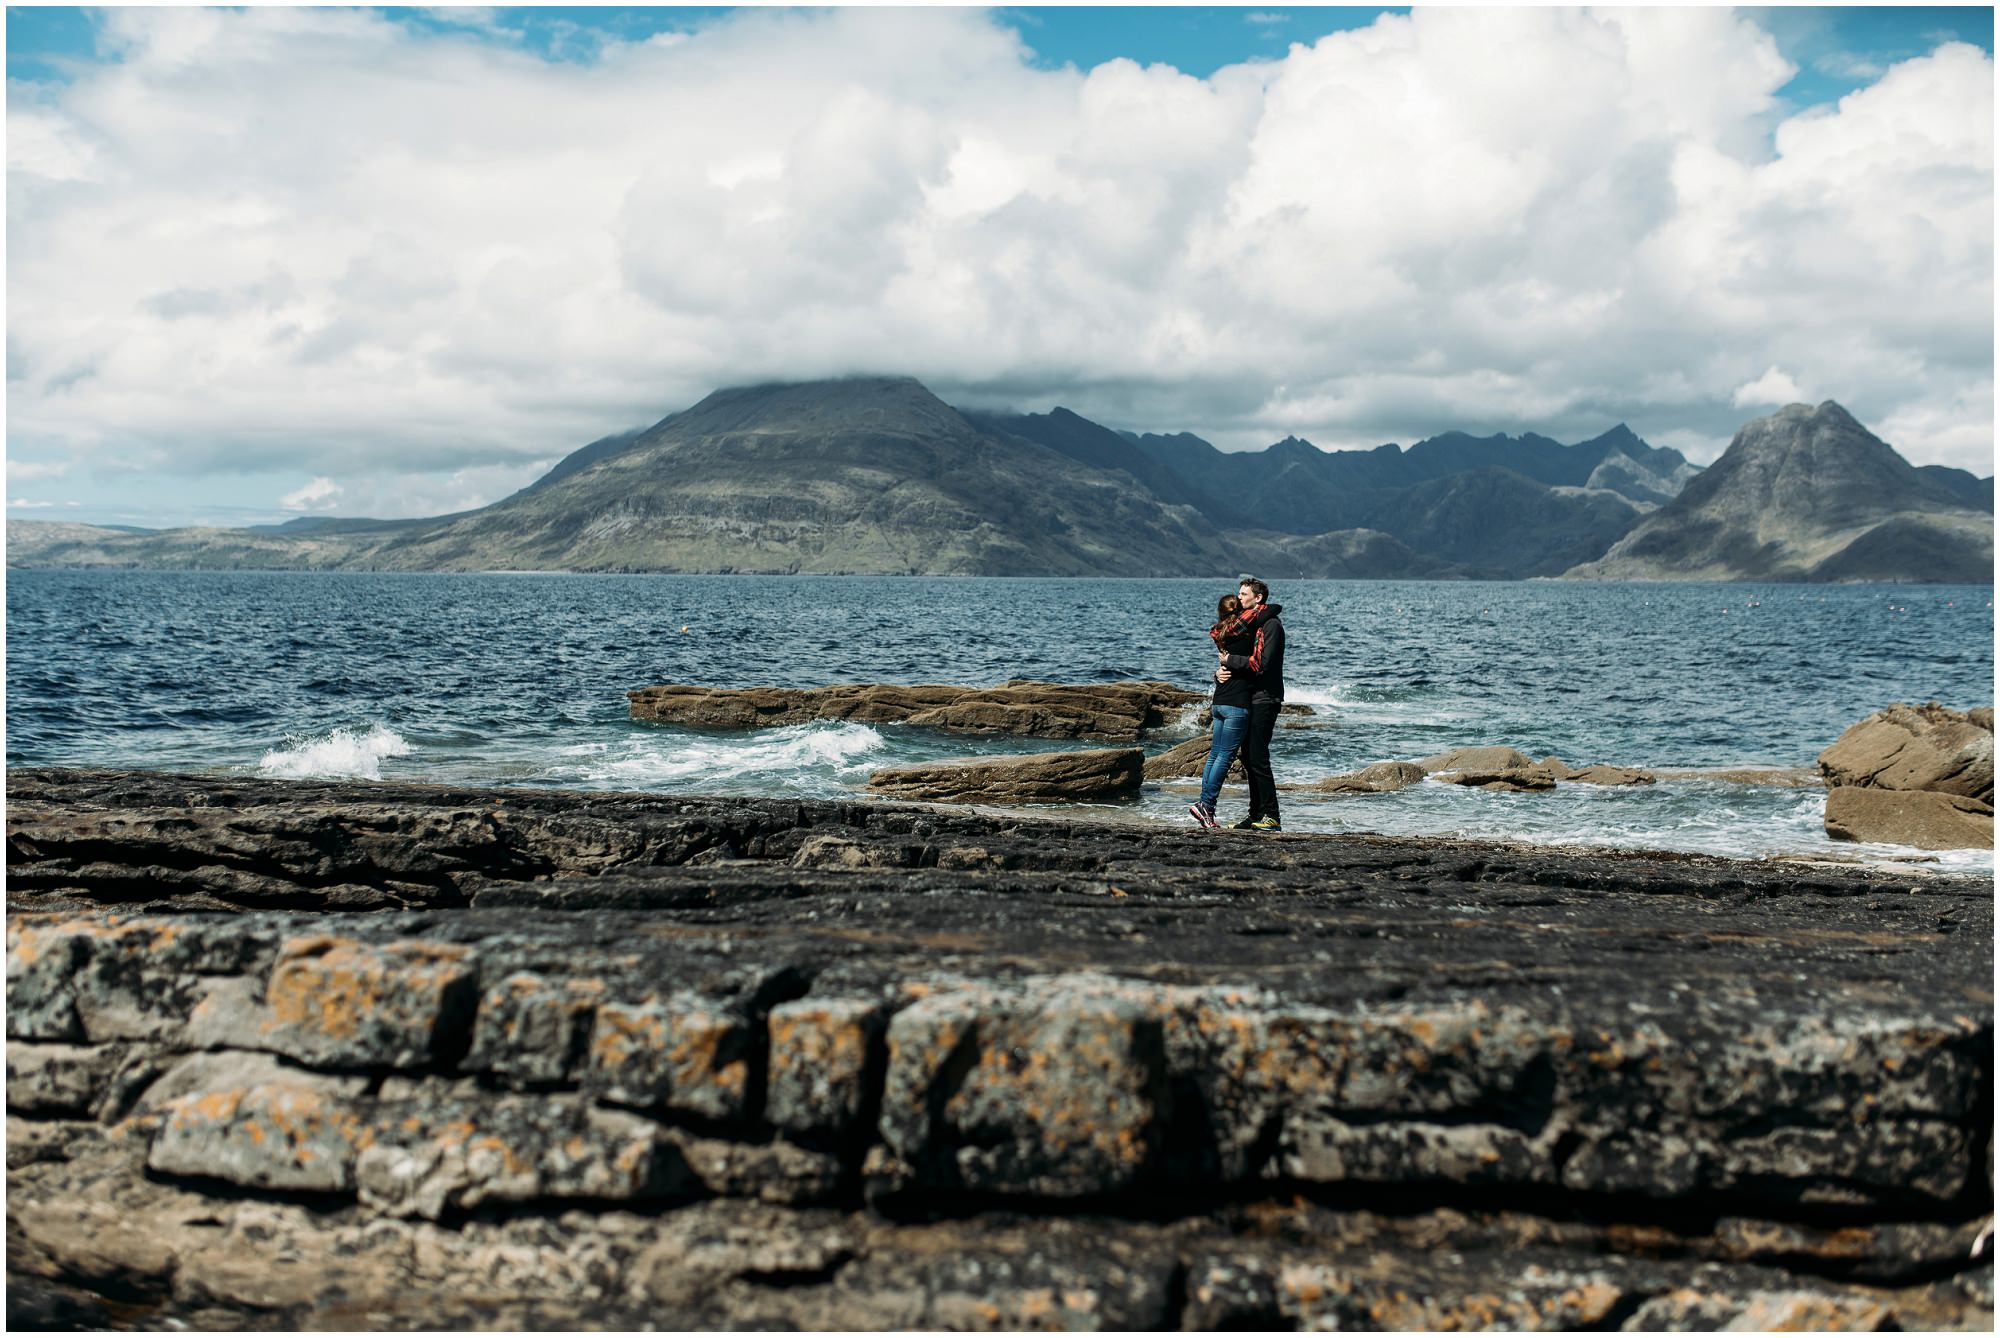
(863, 475)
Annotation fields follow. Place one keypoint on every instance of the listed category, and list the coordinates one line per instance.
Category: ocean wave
(338, 754)
(782, 754)
(1353, 704)
(1318, 694)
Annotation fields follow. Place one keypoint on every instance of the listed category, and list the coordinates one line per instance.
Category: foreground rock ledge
(613, 1060)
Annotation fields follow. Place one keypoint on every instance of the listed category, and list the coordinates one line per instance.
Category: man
(1266, 666)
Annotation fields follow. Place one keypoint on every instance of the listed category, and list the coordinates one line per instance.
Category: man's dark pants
(1256, 757)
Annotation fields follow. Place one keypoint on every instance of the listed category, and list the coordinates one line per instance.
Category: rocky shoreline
(1919, 776)
(297, 1054)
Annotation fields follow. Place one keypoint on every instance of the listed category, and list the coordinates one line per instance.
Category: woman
(1234, 633)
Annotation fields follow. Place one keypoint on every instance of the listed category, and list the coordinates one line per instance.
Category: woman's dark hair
(1226, 610)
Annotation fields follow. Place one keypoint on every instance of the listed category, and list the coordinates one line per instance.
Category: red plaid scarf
(1242, 621)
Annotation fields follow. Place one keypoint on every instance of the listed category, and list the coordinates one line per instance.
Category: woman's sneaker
(1202, 813)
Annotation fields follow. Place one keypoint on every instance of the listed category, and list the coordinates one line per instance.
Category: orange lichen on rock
(1060, 1093)
(338, 1000)
(272, 1135)
(822, 1053)
(681, 1053)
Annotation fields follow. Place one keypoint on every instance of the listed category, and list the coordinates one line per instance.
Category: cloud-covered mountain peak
(880, 403)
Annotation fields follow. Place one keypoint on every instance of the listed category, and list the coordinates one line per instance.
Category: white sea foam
(342, 753)
(1347, 706)
(1318, 694)
(778, 755)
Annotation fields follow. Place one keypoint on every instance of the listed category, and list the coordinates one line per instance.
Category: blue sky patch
(1836, 49)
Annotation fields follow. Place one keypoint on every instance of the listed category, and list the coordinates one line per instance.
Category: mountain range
(878, 475)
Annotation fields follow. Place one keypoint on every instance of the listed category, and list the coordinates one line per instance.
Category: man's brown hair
(1263, 591)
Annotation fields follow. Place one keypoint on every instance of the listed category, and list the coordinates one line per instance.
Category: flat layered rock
(1094, 776)
(1925, 819)
(1274, 1262)
(713, 1063)
(1116, 712)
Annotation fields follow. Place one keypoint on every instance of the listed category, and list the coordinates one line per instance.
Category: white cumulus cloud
(28, 471)
(320, 241)
(319, 495)
(1773, 387)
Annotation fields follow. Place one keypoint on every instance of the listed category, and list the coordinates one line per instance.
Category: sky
(273, 262)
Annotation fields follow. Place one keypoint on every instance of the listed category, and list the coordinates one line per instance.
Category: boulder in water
(1377, 779)
(1913, 776)
(1038, 778)
(1916, 748)
(1476, 759)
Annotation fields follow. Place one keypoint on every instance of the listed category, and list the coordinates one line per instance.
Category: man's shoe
(1246, 825)
(1202, 814)
(1267, 823)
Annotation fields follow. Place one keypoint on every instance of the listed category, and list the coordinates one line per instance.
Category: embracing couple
(1249, 688)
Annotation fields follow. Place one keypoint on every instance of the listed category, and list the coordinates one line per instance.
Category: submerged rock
(1603, 774)
(1037, 778)
(1789, 778)
(1110, 711)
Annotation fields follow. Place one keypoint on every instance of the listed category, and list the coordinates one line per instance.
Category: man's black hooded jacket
(1265, 662)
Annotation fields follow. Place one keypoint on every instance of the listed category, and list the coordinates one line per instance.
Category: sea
(519, 680)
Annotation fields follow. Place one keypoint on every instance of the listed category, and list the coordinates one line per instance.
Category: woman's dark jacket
(1240, 639)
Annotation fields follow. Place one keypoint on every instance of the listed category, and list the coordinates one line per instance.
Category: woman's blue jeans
(1231, 724)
